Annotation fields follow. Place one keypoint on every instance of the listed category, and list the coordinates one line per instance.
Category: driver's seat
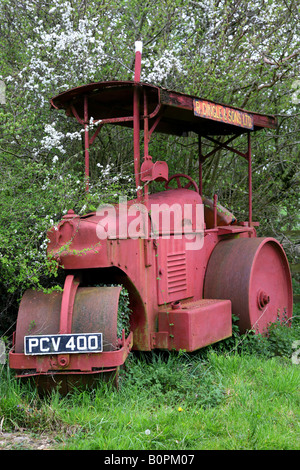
(157, 171)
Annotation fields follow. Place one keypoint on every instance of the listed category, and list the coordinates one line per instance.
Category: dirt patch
(25, 441)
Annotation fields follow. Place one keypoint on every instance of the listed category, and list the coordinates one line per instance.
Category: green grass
(241, 394)
(251, 404)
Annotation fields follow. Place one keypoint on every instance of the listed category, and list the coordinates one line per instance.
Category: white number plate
(63, 344)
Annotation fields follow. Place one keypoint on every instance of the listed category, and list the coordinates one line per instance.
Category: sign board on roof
(220, 113)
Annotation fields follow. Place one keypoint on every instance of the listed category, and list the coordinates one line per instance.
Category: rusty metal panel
(172, 271)
(176, 273)
(194, 325)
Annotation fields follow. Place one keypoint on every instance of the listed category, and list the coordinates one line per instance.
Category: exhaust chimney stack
(138, 60)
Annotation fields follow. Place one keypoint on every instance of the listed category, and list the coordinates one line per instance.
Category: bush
(277, 341)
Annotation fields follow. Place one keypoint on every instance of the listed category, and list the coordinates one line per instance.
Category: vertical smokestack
(136, 115)
(138, 60)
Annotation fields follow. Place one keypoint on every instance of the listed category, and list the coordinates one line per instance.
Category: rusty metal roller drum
(38, 314)
(95, 310)
(254, 274)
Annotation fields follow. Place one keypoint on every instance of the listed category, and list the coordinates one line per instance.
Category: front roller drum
(254, 274)
(76, 310)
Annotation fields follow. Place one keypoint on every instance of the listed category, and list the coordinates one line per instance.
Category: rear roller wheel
(254, 274)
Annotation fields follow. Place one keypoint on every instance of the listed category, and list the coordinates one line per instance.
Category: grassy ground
(241, 394)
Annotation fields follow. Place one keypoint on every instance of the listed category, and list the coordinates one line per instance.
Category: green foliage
(278, 340)
(21, 407)
(168, 401)
(124, 313)
(172, 379)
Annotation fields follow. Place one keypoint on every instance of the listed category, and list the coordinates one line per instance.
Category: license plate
(63, 344)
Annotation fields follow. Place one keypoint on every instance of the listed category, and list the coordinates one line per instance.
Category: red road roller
(187, 263)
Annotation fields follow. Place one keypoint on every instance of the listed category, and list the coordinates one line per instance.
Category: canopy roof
(168, 112)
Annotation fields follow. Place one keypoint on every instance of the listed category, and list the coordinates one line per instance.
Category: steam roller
(187, 263)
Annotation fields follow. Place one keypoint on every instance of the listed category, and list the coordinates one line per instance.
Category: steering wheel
(177, 177)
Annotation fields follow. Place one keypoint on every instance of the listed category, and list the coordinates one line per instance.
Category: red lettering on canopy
(217, 112)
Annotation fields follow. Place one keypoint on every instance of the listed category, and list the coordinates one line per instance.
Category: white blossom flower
(159, 70)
